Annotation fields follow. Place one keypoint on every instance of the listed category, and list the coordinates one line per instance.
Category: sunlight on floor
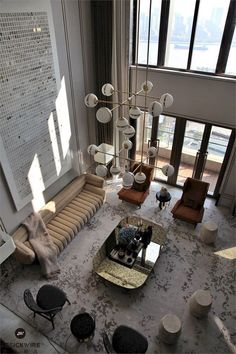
(225, 333)
(229, 253)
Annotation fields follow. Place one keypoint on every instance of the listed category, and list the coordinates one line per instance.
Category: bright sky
(186, 7)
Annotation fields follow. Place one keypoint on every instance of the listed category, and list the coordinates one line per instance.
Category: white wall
(199, 97)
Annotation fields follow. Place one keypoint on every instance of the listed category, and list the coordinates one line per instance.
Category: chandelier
(105, 115)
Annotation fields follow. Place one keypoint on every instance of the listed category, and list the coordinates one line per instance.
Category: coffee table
(117, 270)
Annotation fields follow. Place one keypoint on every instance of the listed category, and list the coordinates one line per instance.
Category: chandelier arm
(122, 103)
(118, 104)
(151, 97)
(128, 159)
(129, 93)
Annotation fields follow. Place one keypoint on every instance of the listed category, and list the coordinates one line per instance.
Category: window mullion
(165, 7)
(135, 35)
(193, 34)
(227, 38)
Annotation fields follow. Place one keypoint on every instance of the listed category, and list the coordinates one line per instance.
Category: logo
(20, 333)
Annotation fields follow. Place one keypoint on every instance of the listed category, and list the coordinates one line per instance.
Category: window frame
(225, 45)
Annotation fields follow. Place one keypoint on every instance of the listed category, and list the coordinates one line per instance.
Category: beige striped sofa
(64, 215)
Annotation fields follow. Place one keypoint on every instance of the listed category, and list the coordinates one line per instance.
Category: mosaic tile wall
(28, 93)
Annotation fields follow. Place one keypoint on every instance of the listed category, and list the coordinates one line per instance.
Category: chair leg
(52, 321)
(34, 314)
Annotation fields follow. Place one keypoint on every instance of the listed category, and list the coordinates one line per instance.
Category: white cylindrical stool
(200, 303)
(170, 329)
(208, 232)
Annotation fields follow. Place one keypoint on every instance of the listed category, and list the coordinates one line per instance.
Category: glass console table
(129, 266)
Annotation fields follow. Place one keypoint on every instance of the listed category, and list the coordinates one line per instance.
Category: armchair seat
(133, 196)
(139, 192)
(187, 214)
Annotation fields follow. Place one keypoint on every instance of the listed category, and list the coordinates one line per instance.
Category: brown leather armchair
(190, 207)
(139, 192)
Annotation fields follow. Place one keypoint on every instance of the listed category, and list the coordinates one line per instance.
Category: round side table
(170, 329)
(83, 326)
(163, 199)
(208, 232)
(200, 303)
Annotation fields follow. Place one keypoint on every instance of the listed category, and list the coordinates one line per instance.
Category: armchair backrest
(194, 192)
(147, 170)
(30, 302)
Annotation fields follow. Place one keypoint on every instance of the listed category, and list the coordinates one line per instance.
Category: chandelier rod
(146, 89)
(137, 51)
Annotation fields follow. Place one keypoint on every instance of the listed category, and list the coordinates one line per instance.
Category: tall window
(195, 35)
(179, 33)
(231, 67)
(143, 31)
(208, 36)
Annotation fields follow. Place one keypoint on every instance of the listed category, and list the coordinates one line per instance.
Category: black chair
(125, 340)
(49, 301)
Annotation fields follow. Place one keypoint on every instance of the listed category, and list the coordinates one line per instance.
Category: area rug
(185, 265)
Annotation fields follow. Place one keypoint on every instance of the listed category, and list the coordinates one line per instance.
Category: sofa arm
(96, 190)
(94, 180)
(24, 254)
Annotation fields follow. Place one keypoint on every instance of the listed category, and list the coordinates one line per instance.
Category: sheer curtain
(120, 62)
(111, 21)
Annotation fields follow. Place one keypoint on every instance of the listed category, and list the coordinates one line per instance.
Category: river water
(202, 59)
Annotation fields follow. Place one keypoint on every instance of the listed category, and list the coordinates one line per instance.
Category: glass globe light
(140, 177)
(91, 100)
(104, 115)
(147, 86)
(166, 100)
(128, 180)
(168, 170)
(115, 170)
(152, 151)
(121, 123)
(155, 108)
(92, 149)
(101, 170)
(127, 144)
(107, 89)
(135, 112)
(129, 131)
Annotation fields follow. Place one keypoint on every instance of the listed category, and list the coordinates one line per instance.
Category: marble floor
(185, 266)
(33, 341)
